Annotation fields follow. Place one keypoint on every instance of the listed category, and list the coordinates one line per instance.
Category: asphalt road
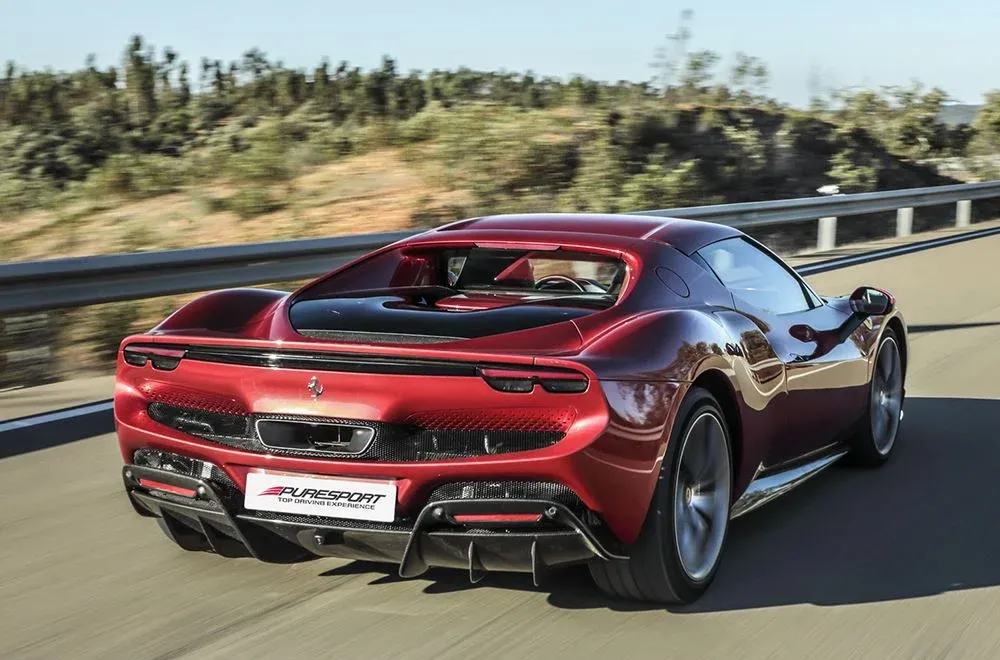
(902, 562)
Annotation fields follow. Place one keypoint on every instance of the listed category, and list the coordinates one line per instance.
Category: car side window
(755, 277)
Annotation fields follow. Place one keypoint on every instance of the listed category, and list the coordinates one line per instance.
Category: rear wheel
(876, 434)
(681, 543)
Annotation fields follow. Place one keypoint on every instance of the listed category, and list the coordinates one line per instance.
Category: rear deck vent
(375, 337)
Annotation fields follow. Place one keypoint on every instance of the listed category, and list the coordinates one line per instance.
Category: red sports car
(509, 393)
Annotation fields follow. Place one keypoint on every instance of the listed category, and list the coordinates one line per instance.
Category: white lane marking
(59, 415)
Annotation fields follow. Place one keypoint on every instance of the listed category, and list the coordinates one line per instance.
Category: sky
(834, 44)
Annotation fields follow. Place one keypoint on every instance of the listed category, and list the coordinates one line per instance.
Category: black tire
(654, 571)
(866, 449)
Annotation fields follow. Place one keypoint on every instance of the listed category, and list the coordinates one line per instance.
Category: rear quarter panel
(648, 364)
(240, 312)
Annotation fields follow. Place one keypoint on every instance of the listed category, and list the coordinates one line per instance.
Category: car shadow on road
(923, 524)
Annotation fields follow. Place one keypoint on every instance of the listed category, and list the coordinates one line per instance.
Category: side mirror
(869, 301)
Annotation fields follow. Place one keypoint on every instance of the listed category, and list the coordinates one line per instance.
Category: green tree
(749, 77)
(140, 81)
(853, 170)
(661, 185)
(987, 125)
(698, 73)
(184, 87)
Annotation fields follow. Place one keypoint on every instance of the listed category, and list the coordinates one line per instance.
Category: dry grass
(375, 192)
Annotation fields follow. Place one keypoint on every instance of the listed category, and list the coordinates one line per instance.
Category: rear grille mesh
(556, 420)
(180, 397)
(392, 443)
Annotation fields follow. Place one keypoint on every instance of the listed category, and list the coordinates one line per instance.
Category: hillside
(449, 163)
(153, 153)
(378, 191)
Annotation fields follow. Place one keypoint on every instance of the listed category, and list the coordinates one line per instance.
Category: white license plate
(331, 497)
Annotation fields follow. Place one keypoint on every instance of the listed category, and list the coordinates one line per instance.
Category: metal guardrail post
(827, 238)
(963, 213)
(904, 222)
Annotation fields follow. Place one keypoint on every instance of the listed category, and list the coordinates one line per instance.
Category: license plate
(330, 497)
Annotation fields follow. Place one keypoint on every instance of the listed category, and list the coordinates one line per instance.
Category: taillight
(473, 518)
(167, 488)
(165, 359)
(518, 381)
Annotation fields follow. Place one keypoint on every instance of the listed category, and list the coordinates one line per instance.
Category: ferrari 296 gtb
(509, 393)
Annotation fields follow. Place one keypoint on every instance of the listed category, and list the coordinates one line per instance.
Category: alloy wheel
(886, 396)
(702, 496)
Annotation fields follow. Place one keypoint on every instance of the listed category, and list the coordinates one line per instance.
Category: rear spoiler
(500, 376)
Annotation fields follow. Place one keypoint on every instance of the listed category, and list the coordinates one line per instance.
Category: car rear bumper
(206, 512)
(608, 458)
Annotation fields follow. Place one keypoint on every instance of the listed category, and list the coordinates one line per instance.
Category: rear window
(485, 271)
(543, 270)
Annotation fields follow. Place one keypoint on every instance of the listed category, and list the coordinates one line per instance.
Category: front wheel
(681, 543)
(876, 435)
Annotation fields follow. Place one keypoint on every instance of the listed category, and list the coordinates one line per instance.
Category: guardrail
(827, 209)
(74, 282)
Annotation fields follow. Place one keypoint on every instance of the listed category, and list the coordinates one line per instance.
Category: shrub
(18, 194)
(508, 154)
(250, 202)
(428, 215)
(139, 176)
(424, 126)
(264, 162)
(661, 186)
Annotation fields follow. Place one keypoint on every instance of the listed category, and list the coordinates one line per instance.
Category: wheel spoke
(706, 486)
(879, 422)
(886, 414)
(703, 506)
(687, 534)
(700, 525)
(887, 361)
(695, 457)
